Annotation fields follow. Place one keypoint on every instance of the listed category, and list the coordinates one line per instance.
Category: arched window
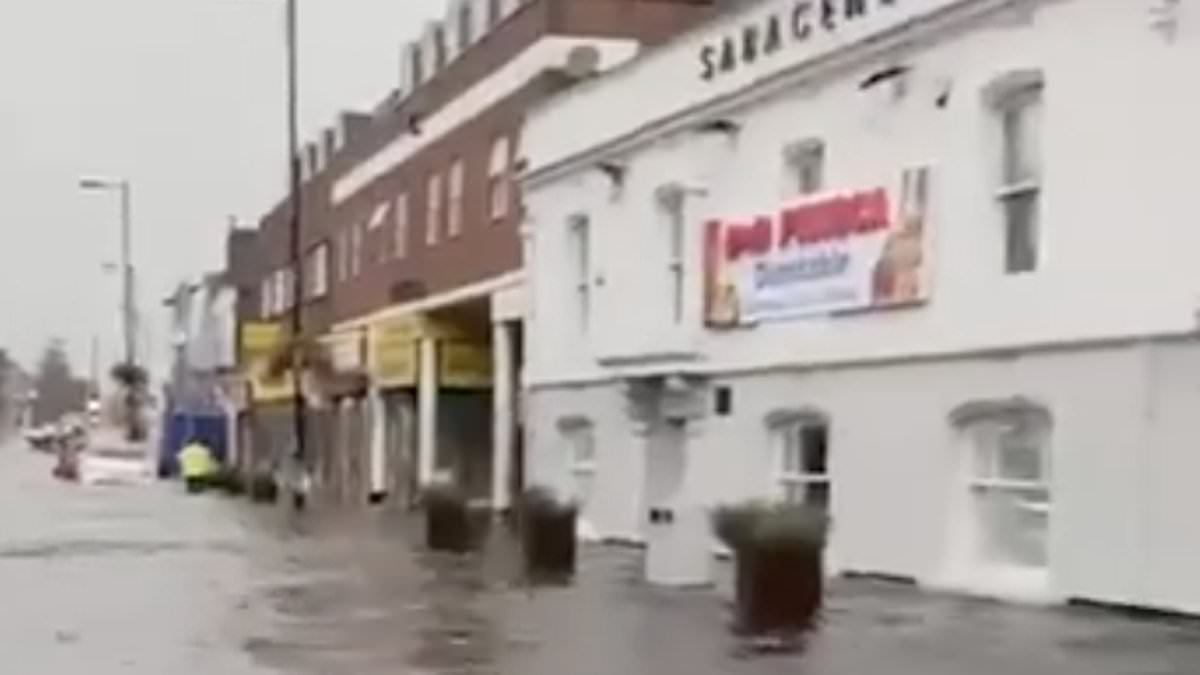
(579, 445)
(800, 455)
(1008, 478)
(466, 26)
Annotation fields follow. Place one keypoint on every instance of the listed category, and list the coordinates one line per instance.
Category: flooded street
(146, 580)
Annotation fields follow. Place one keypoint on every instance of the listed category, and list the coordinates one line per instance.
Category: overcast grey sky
(183, 97)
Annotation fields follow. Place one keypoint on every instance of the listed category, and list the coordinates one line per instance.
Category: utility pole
(297, 313)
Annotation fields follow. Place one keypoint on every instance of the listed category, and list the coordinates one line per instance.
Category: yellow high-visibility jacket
(196, 461)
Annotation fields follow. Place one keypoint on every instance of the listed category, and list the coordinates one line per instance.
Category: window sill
(1016, 189)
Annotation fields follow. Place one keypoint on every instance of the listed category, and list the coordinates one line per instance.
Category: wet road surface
(147, 580)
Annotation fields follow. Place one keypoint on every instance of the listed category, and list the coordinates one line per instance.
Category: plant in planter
(447, 518)
(263, 488)
(547, 535)
(228, 480)
(778, 550)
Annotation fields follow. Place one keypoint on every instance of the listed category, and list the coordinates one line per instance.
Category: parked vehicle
(110, 461)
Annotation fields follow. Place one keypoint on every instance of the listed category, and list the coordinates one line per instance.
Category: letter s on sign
(708, 55)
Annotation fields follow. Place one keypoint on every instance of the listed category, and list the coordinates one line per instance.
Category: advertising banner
(855, 250)
(260, 340)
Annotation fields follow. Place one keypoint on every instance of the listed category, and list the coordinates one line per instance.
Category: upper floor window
(356, 249)
(343, 254)
(671, 206)
(805, 162)
(439, 47)
(1017, 105)
(466, 26)
(433, 209)
(457, 185)
(400, 236)
(417, 66)
(578, 227)
(493, 16)
(801, 453)
(267, 296)
(317, 276)
(498, 184)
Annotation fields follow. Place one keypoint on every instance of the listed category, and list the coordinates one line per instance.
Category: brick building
(414, 250)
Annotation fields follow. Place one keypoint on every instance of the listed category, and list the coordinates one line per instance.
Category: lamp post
(128, 311)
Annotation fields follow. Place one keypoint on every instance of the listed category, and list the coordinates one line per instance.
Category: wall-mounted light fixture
(895, 76)
(670, 196)
(721, 125)
(615, 172)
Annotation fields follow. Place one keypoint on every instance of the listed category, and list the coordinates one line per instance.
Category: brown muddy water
(147, 580)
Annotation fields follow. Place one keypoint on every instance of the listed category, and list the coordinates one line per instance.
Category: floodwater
(148, 580)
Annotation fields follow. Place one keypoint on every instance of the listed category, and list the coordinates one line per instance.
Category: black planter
(778, 588)
(263, 489)
(447, 524)
(548, 541)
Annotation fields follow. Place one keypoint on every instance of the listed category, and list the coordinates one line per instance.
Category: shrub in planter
(779, 575)
(263, 488)
(547, 535)
(447, 518)
(229, 481)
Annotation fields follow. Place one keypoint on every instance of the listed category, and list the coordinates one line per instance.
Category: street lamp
(127, 309)
(122, 187)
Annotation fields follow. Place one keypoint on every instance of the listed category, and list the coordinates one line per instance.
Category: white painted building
(928, 261)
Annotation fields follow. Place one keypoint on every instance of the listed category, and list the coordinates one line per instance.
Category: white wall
(1120, 524)
(1118, 138)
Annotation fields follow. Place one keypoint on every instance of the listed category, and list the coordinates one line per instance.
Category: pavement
(148, 580)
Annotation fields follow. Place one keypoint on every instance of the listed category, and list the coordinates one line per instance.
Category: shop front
(430, 402)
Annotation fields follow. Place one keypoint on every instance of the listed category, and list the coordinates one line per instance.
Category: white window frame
(279, 297)
(378, 215)
(580, 255)
(997, 497)
(1019, 99)
(499, 190)
(433, 209)
(792, 479)
(267, 301)
(676, 267)
(457, 180)
(356, 249)
(987, 437)
(318, 271)
(578, 436)
(400, 223)
(343, 255)
(464, 19)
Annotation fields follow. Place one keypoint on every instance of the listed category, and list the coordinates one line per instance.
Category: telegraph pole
(300, 420)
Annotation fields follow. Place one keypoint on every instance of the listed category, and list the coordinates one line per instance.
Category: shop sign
(465, 365)
(789, 27)
(393, 347)
(260, 341)
(347, 351)
(841, 252)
